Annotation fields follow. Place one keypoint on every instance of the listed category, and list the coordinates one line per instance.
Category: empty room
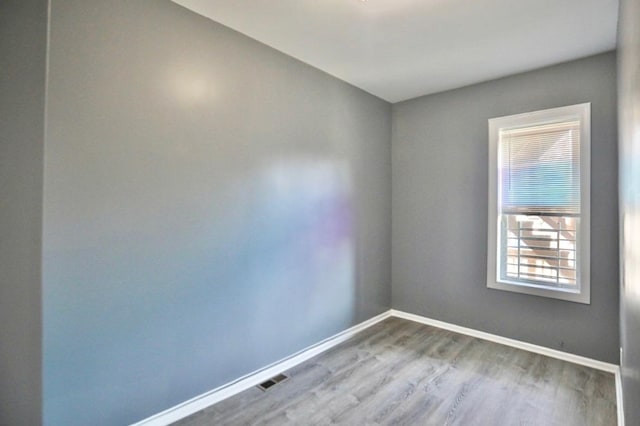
(312, 212)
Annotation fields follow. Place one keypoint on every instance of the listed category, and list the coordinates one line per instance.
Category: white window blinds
(540, 169)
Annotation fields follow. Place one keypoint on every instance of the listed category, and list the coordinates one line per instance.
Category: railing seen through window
(540, 248)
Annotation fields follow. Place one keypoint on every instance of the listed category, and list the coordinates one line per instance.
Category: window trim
(583, 112)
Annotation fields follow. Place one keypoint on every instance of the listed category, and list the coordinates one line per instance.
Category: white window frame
(583, 113)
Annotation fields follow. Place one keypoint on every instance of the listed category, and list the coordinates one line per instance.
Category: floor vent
(272, 381)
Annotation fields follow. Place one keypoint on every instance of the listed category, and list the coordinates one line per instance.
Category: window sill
(542, 291)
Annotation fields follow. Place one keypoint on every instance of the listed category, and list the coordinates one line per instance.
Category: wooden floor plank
(400, 372)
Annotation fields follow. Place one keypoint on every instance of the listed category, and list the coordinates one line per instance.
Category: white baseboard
(200, 402)
(619, 399)
(553, 353)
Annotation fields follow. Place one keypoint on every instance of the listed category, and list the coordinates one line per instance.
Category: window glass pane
(540, 202)
(539, 249)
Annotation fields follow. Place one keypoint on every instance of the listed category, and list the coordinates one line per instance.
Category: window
(539, 189)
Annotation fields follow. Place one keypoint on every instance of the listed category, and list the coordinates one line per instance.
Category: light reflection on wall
(304, 217)
(631, 266)
(631, 229)
(276, 255)
(630, 200)
(189, 87)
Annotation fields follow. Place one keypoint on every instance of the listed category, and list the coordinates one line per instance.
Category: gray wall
(23, 44)
(440, 189)
(629, 102)
(211, 206)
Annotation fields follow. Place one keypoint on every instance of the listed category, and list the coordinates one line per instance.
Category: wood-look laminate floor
(399, 372)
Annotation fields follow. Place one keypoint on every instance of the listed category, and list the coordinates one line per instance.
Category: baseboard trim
(553, 353)
(619, 398)
(200, 402)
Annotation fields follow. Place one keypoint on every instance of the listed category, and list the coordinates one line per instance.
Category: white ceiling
(400, 49)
